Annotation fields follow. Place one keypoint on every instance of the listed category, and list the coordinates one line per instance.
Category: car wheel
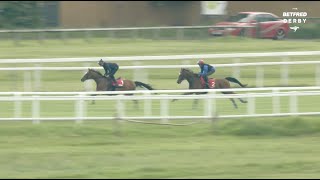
(280, 34)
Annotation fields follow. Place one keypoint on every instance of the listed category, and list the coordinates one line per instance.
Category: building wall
(79, 13)
(126, 13)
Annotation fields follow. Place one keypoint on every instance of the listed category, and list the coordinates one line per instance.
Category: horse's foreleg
(195, 104)
(93, 101)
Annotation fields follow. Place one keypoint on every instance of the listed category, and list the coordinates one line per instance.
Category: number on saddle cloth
(119, 82)
(211, 82)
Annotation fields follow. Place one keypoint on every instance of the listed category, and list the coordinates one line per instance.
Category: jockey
(206, 70)
(110, 69)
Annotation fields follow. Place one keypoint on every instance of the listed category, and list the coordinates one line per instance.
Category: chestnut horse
(105, 83)
(195, 83)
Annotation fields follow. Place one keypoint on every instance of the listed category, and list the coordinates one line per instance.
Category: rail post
(317, 75)
(140, 74)
(80, 109)
(293, 103)
(87, 35)
(41, 37)
(156, 34)
(214, 104)
(27, 81)
(236, 69)
(35, 109)
(111, 34)
(180, 34)
(275, 102)
(259, 76)
(135, 33)
(284, 72)
(17, 38)
(147, 105)
(251, 105)
(64, 36)
(37, 78)
(208, 105)
(120, 106)
(164, 108)
(17, 105)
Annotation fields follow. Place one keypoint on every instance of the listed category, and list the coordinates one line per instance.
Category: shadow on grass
(294, 126)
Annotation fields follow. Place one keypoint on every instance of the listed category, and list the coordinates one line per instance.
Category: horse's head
(184, 73)
(91, 74)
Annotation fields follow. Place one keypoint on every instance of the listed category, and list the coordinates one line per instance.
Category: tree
(20, 14)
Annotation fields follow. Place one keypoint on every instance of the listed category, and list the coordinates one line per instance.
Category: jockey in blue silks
(110, 69)
(206, 70)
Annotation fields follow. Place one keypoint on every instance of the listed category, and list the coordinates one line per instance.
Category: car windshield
(239, 18)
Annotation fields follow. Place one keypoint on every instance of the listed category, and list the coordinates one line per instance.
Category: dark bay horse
(195, 83)
(105, 83)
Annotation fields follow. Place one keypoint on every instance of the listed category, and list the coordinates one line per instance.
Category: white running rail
(157, 105)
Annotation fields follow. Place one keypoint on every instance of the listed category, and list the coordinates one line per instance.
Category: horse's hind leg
(243, 101)
(195, 104)
(231, 99)
(135, 102)
(234, 103)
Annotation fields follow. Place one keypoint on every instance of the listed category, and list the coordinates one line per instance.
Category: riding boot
(206, 83)
(114, 82)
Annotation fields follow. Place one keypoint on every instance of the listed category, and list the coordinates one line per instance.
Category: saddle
(119, 82)
(211, 82)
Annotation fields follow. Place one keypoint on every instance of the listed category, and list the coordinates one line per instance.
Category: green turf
(129, 47)
(260, 148)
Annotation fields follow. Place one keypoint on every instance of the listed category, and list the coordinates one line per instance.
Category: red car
(269, 25)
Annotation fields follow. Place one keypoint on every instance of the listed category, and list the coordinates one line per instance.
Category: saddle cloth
(119, 82)
(211, 82)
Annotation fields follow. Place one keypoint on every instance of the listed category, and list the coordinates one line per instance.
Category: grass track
(285, 148)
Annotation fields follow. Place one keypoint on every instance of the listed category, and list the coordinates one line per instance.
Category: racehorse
(105, 83)
(198, 83)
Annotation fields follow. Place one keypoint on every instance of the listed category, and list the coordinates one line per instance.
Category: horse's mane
(189, 70)
(98, 72)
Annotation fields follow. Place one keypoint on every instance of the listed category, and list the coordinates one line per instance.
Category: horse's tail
(141, 84)
(234, 80)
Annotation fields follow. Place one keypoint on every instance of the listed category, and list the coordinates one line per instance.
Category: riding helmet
(200, 61)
